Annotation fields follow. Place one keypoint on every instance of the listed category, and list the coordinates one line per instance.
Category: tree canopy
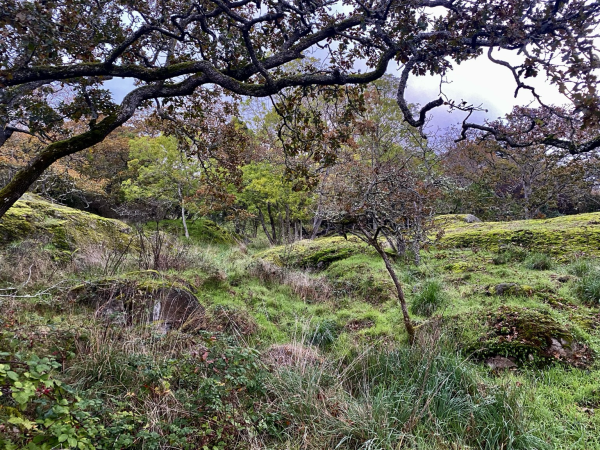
(56, 55)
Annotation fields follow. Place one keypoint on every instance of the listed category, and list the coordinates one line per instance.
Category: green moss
(527, 335)
(361, 277)
(315, 254)
(67, 229)
(510, 289)
(559, 236)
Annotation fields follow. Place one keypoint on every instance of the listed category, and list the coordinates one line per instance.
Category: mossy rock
(315, 254)
(62, 228)
(510, 289)
(525, 336)
(361, 278)
(446, 220)
(141, 297)
(200, 230)
(559, 236)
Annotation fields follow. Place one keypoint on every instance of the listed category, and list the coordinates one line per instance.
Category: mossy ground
(560, 401)
(562, 236)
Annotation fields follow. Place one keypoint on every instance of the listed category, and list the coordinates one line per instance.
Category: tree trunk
(25, 177)
(264, 226)
(185, 228)
(272, 221)
(288, 227)
(316, 225)
(388, 265)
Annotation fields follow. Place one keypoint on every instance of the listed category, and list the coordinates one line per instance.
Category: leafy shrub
(510, 253)
(581, 267)
(539, 261)
(203, 397)
(429, 299)
(588, 288)
(45, 413)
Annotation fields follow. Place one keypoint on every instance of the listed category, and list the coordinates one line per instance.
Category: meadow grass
(368, 389)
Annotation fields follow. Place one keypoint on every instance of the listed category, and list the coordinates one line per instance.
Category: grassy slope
(343, 304)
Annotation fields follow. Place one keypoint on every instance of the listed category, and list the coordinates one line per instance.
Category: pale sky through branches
(479, 82)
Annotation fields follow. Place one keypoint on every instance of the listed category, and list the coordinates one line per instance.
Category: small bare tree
(380, 197)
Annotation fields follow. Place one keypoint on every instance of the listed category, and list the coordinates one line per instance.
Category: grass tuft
(581, 267)
(539, 261)
(510, 253)
(429, 299)
(588, 288)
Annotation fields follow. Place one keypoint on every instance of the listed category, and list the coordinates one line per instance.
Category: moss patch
(361, 277)
(316, 254)
(527, 336)
(66, 229)
(558, 236)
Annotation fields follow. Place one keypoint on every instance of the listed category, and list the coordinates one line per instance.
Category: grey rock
(470, 218)
(500, 363)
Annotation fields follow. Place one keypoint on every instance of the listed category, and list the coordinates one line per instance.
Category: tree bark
(185, 228)
(264, 226)
(272, 221)
(410, 330)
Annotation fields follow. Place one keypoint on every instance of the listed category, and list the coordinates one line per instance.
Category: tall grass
(510, 253)
(415, 397)
(588, 288)
(581, 267)
(539, 261)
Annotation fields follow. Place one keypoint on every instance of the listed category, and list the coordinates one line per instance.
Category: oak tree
(55, 56)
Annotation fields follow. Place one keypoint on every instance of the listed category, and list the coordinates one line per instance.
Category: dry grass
(304, 285)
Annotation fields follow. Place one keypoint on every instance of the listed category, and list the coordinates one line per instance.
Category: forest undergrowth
(287, 356)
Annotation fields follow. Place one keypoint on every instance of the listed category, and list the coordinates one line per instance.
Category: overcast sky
(479, 82)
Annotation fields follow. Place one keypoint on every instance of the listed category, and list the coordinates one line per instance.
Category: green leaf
(12, 375)
(28, 424)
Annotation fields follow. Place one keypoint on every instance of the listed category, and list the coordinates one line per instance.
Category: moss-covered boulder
(141, 297)
(525, 336)
(66, 229)
(565, 235)
(314, 254)
(510, 289)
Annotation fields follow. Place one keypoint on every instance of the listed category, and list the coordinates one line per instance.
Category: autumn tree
(494, 180)
(172, 49)
(379, 198)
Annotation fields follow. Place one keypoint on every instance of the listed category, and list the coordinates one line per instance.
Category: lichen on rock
(527, 336)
